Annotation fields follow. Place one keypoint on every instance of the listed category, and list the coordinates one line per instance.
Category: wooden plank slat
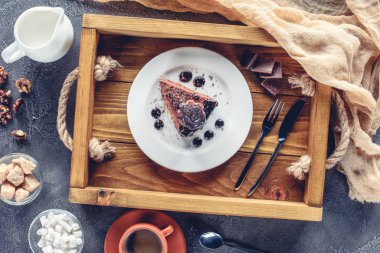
(134, 52)
(83, 109)
(131, 169)
(318, 134)
(157, 28)
(111, 123)
(195, 203)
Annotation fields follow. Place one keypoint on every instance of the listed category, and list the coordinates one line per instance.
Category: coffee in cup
(145, 238)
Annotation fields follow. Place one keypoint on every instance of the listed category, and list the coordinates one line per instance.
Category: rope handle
(97, 151)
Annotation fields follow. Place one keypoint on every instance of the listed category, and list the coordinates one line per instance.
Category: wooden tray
(130, 179)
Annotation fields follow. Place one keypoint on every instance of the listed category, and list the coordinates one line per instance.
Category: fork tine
(278, 106)
(278, 113)
(270, 110)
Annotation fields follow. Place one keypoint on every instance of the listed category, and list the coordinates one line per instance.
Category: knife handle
(266, 169)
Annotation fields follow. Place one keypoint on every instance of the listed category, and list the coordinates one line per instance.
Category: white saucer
(224, 82)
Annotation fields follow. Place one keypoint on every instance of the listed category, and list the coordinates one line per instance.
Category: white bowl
(37, 172)
(33, 238)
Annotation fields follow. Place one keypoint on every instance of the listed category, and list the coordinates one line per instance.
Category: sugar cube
(72, 251)
(16, 176)
(26, 165)
(21, 195)
(31, 183)
(58, 251)
(7, 191)
(4, 170)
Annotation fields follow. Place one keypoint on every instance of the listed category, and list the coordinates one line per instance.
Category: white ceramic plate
(224, 83)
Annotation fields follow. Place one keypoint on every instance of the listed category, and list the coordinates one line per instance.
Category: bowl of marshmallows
(56, 231)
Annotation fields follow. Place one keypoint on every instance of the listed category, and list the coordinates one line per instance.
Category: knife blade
(285, 128)
(290, 118)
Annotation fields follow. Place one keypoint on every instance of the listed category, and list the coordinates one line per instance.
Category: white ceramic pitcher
(43, 34)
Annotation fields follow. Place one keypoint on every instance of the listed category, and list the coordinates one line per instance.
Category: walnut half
(24, 86)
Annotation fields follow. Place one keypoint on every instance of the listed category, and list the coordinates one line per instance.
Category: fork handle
(266, 169)
(249, 162)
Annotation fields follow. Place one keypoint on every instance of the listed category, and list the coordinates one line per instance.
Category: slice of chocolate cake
(188, 109)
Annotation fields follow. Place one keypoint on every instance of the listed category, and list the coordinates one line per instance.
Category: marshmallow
(78, 234)
(65, 225)
(75, 226)
(65, 238)
(43, 220)
(58, 251)
(72, 251)
(48, 249)
(42, 231)
(79, 241)
(42, 242)
(58, 228)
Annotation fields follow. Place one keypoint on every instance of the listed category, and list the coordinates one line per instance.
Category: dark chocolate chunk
(209, 106)
(274, 85)
(277, 71)
(248, 59)
(185, 131)
(185, 76)
(263, 65)
(199, 81)
(197, 142)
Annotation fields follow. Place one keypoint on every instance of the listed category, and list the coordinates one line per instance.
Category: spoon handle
(238, 247)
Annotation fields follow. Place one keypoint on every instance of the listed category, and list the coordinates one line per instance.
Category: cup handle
(167, 231)
(12, 53)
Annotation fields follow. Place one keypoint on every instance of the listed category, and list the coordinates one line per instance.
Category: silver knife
(286, 127)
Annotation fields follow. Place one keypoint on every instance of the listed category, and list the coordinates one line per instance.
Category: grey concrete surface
(347, 226)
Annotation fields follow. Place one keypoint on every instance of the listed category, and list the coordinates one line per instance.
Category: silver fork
(268, 123)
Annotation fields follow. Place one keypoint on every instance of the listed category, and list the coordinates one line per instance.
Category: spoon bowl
(211, 240)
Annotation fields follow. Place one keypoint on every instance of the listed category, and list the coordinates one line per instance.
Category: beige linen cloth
(338, 50)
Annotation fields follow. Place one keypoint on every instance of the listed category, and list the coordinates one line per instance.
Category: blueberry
(185, 76)
(159, 124)
(197, 142)
(199, 81)
(156, 113)
(219, 123)
(209, 135)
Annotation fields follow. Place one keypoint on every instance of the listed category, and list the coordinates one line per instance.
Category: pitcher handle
(12, 53)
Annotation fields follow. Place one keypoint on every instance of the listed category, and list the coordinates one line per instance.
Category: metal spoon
(211, 240)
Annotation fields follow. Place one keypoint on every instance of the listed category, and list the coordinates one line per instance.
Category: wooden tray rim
(81, 192)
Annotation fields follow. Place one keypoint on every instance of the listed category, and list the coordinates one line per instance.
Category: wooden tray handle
(97, 151)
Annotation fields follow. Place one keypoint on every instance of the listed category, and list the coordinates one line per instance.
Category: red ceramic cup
(161, 235)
